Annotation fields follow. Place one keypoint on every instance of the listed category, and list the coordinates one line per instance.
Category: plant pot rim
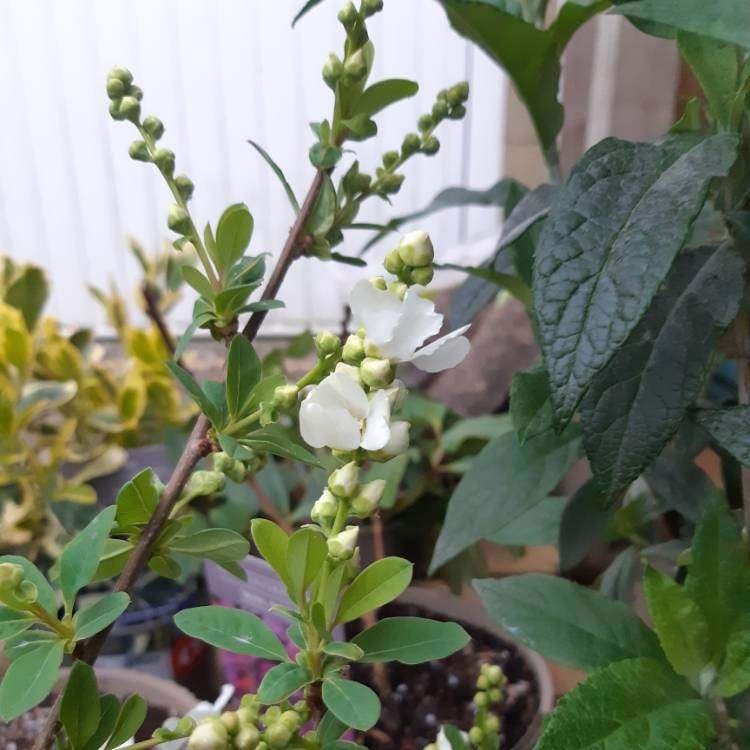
(441, 601)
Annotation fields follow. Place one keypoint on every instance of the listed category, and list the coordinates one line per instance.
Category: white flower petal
(417, 322)
(375, 310)
(328, 426)
(443, 353)
(377, 426)
(399, 440)
(339, 390)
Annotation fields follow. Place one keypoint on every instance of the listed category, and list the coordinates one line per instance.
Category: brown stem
(268, 507)
(198, 445)
(724, 725)
(155, 316)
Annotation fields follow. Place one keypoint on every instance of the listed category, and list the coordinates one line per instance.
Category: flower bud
(333, 70)
(278, 735)
(164, 159)
(121, 74)
(302, 709)
(371, 7)
(476, 735)
(114, 109)
(439, 110)
(231, 721)
(393, 262)
(376, 372)
(495, 674)
(458, 113)
(327, 343)
(483, 682)
(325, 508)
(247, 715)
(425, 123)
(348, 15)
(458, 94)
(431, 146)
(271, 715)
(495, 695)
(354, 350)
(130, 108)
(416, 248)
(411, 144)
(247, 738)
(399, 440)
(154, 127)
(116, 88)
(342, 545)
(285, 397)
(368, 498)
(11, 575)
(138, 150)
(350, 371)
(379, 283)
(210, 734)
(291, 720)
(422, 276)
(344, 482)
(390, 159)
(392, 183)
(203, 482)
(492, 724)
(355, 67)
(178, 219)
(480, 699)
(398, 288)
(361, 182)
(397, 394)
(136, 92)
(185, 186)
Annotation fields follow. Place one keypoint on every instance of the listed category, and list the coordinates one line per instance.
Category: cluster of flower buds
(411, 261)
(490, 685)
(232, 468)
(203, 482)
(249, 729)
(361, 501)
(16, 591)
(449, 104)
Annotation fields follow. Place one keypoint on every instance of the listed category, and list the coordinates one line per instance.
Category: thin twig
(198, 445)
(267, 506)
(155, 316)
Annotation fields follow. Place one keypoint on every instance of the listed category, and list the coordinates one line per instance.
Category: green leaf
(729, 428)
(219, 545)
(378, 584)
(323, 156)
(101, 614)
(233, 235)
(229, 302)
(637, 703)
(28, 293)
(382, 94)
(608, 244)
(361, 127)
(137, 500)
(714, 64)
(306, 553)
(540, 525)
(195, 392)
(231, 629)
(29, 679)
(727, 20)
(79, 709)
(109, 708)
(392, 472)
(500, 279)
(197, 281)
(636, 403)
(275, 167)
(682, 629)
(281, 681)
(113, 559)
(80, 557)
(132, 715)
(28, 640)
(410, 640)
(272, 543)
(13, 622)
(584, 522)
(46, 594)
(308, 6)
(530, 405)
(503, 482)
(565, 622)
(330, 729)
(243, 374)
(617, 580)
(348, 260)
(323, 212)
(165, 566)
(351, 702)
(274, 440)
(455, 738)
(344, 650)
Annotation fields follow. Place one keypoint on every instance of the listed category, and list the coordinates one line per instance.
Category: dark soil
(427, 695)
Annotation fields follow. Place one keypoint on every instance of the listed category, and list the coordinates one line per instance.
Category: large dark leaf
(730, 428)
(610, 239)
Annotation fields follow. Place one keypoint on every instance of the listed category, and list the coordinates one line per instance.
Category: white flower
(338, 414)
(399, 439)
(398, 328)
(341, 546)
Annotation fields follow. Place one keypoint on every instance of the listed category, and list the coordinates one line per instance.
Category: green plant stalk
(723, 725)
(41, 614)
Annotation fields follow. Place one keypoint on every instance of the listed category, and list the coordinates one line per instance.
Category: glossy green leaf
(137, 500)
(729, 428)
(194, 278)
(195, 392)
(109, 708)
(274, 439)
(378, 584)
(344, 650)
(530, 405)
(306, 553)
(28, 640)
(28, 292)
(233, 233)
(13, 622)
(272, 543)
(608, 244)
(636, 403)
(233, 630)
(281, 681)
(382, 94)
(503, 482)
(618, 579)
(330, 729)
(219, 545)
(351, 702)
(29, 679)
(229, 302)
(132, 715)
(80, 710)
(323, 156)
(539, 525)
(279, 173)
(584, 523)
(80, 557)
(410, 640)
(324, 210)
(637, 703)
(308, 6)
(243, 374)
(101, 614)
(565, 622)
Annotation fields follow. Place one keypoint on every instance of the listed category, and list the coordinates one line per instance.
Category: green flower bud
(348, 16)
(11, 576)
(495, 695)
(416, 248)
(371, 7)
(354, 350)
(457, 113)
(154, 127)
(495, 674)
(342, 545)
(327, 343)
(302, 709)
(121, 74)
(178, 219)
(483, 682)
(164, 159)
(210, 734)
(410, 145)
(397, 394)
(203, 482)
(398, 288)
(390, 158)
(115, 111)
(350, 371)
(459, 93)
(439, 110)
(481, 700)
(285, 397)
(379, 283)
(366, 502)
(431, 146)
(355, 68)
(136, 92)
(130, 108)
(476, 735)
(185, 186)
(361, 182)
(371, 348)
(376, 372)
(271, 715)
(492, 724)
(247, 738)
(344, 482)
(116, 88)
(291, 720)
(139, 151)
(247, 716)
(231, 721)
(333, 70)
(422, 276)
(278, 735)
(393, 262)
(325, 507)
(424, 123)
(392, 183)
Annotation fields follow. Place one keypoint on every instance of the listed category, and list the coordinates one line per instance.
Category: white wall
(216, 73)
